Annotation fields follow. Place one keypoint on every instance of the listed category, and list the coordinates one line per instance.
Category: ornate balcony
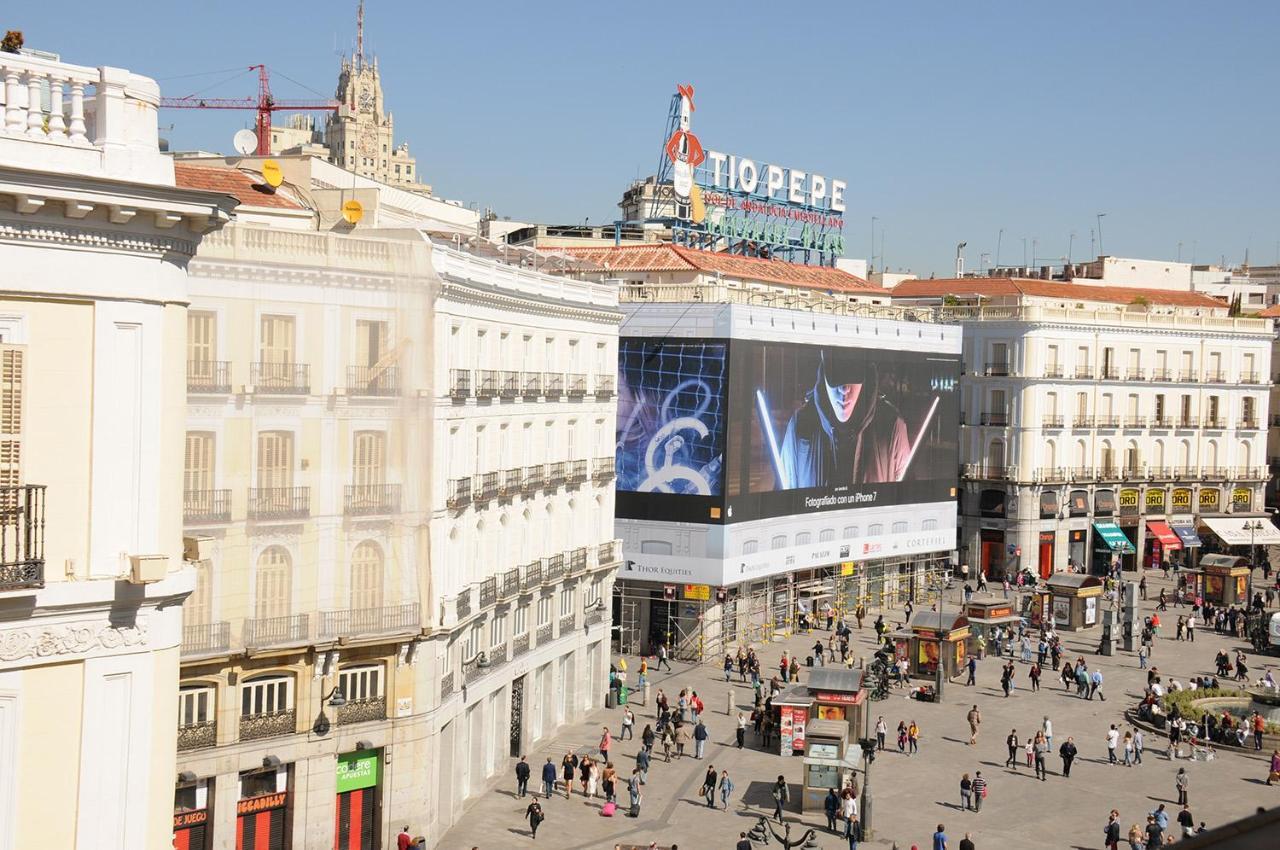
(488, 592)
(486, 488)
(280, 378)
(553, 569)
(602, 469)
(520, 645)
(607, 553)
(553, 384)
(510, 583)
(1187, 422)
(463, 604)
(1214, 472)
(1162, 423)
(531, 385)
(510, 386)
(576, 383)
(458, 493)
(1213, 423)
(1162, 375)
(362, 710)
(998, 369)
(1109, 473)
(1084, 373)
(205, 639)
(22, 537)
(1109, 373)
(1160, 473)
(276, 503)
(290, 630)
(373, 381)
(1214, 377)
(989, 472)
(1053, 371)
(1249, 378)
(575, 472)
(534, 479)
(578, 561)
(497, 655)
(604, 386)
(255, 727)
(446, 684)
(545, 634)
(487, 383)
(1082, 474)
(385, 620)
(209, 376)
(1056, 475)
(1189, 376)
(206, 506)
(555, 475)
(1186, 473)
(1251, 473)
(1135, 375)
(997, 419)
(531, 576)
(1052, 421)
(566, 624)
(1247, 424)
(592, 617)
(511, 481)
(1081, 420)
(371, 499)
(1109, 422)
(473, 669)
(459, 384)
(197, 736)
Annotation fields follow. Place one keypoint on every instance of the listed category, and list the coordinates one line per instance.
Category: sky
(950, 121)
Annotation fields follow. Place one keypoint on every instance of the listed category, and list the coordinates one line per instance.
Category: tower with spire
(360, 135)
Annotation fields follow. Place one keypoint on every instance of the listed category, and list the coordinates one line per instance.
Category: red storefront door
(1046, 554)
(260, 822)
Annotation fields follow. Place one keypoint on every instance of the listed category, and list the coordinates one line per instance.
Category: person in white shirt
(1157, 689)
(1113, 738)
(1174, 685)
(1048, 732)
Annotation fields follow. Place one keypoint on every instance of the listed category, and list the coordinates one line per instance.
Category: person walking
(643, 758)
(1112, 830)
(740, 736)
(979, 791)
(973, 671)
(628, 725)
(683, 738)
(913, 738)
(647, 738)
(1040, 750)
(633, 790)
(548, 778)
(975, 720)
(831, 807)
(662, 657)
(606, 743)
(1128, 748)
(882, 731)
(709, 786)
(726, 789)
(966, 843)
(699, 739)
(1012, 743)
(522, 777)
(609, 783)
(1047, 728)
(940, 837)
(534, 815)
(1180, 783)
(1095, 685)
(1187, 822)
(1113, 738)
(1137, 746)
(1068, 753)
(728, 666)
(569, 767)
(966, 792)
(780, 797)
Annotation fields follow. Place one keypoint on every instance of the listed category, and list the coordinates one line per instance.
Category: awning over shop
(1190, 539)
(1164, 534)
(1243, 531)
(1113, 536)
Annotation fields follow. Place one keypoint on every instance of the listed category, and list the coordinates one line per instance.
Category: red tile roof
(1272, 312)
(665, 257)
(231, 181)
(995, 286)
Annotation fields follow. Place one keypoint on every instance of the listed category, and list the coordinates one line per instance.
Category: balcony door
(273, 584)
(197, 474)
(371, 342)
(275, 460)
(277, 339)
(202, 348)
(368, 465)
(366, 577)
(11, 403)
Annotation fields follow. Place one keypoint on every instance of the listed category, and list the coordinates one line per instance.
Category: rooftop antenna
(360, 34)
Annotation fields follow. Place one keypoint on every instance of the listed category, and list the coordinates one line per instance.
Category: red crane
(265, 104)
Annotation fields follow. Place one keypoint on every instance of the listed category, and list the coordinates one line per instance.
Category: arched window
(804, 538)
(750, 547)
(269, 694)
(1211, 454)
(899, 527)
(1082, 455)
(366, 576)
(1245, 455)
(196, 703)
(929, 525)
(274, 583)
(1050, 454)
(850, 532)
(779, 541)
(826, 535)
(361, 682)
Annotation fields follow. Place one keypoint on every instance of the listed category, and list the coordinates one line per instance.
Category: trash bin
(808, 661)
(609, 700)
(622, 695)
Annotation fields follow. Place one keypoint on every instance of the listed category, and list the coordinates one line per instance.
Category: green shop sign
(357, 770)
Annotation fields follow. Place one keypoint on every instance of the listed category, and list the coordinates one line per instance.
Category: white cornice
(62, 232)
(467, 293)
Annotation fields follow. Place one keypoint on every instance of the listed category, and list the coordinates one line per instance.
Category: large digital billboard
(671, 427)
(719, 431)
(829, 427)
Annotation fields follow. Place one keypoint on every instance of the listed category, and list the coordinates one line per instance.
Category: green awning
(1113, 536)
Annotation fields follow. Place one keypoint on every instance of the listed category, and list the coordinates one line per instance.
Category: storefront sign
(830, 696)
(1242, 498)
(1129, 501)
(1208, 499)
(262, 804)
(1104, 503)
(357, 770)
(697, 592)
(1155, 501)
(846, 568)
(1180, 501)
(185, 820)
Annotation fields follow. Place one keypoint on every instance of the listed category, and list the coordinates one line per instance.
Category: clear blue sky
(948, 120)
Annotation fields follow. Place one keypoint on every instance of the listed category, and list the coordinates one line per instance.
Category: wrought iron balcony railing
(373, 381)
(1249, 377)
(1055, 475)
(458, 492)
(254, 727)
(463, 604)
(553, 384)
(576, 384)
(197, 736)
(1161, 422)
(1216, 377)
(1084, 372)
(578, 560)
(1248, 424)
(604, 386)
(1053, 371)
(459, 383)
(531, 575)
(1109, 421)
(555, 475)
(371, 499)
(205, 638)
(446, 684)
(1082, 474)
(289, 630)
(488, 592)
(545, 633)
(999, 419)
(1109, 373)
(531, 385)
(566, 624)
(206, 506)
(602, 469)
(999, 369)
(486, 487)
(1189, 376)
(1135, 375)
(384, 620)
(553, 569)
(510, 387)
(1053, 420)
(272, 503)
(487, 383)
(520, 645)
(534, 479)
(1082, 420)
(1213, 423)
(361, 710)
(607, 553)
(512, 479)
(209, 376)
(510, 583)
(575, 472)
(1187, 422)
(281, 378)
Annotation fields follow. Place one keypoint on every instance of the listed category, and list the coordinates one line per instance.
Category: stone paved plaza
(911, 794)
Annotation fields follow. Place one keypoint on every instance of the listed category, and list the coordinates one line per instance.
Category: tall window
(364, 682)
(1187, 367)
(1185, 409)
(273, 583)
(1213, 408)
(371, 342)
(366, 576)
(1108, 361)
(277, 339)
(202, 348)
(266, 695)
(498, 630)
(1082, 404)
(197, 609)
(275, 459)
(544, 610)
(566, 601)
(197, 475)
(1108, 458)
(368, 464)
(195, 705)
(520, 620)
(1051, 357)
(12, 377)
(1247, 409)
(1160, 411)
(995, 458)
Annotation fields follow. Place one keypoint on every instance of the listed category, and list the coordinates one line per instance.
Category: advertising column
(359, 801)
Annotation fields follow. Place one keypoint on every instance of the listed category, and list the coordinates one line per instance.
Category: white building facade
(1102, 424)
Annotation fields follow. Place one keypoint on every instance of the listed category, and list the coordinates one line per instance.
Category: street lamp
(1253, 527)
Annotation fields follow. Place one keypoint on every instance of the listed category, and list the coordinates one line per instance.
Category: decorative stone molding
(467, 293)
(77, 639)
(108, 240)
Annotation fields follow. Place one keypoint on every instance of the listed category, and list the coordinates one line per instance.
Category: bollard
(646, 694)
(728, 703)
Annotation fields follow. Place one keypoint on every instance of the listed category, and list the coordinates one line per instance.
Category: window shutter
(12, 373)
(275, 459)
(366, 577)
(273, 584)
(277, 339)
(369, 464)
(200, 337)
(198, 473)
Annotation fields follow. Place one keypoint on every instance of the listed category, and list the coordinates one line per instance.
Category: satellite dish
(352, 211)
(271, 173)
(245, 141)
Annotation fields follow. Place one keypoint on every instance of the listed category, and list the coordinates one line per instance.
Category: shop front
(1109, 543)
(1076, 599)
(359, 800)
(829, 762)
(1225, 579)
(792, 711)
(986, 612)
(1047, 543)
(262, 813)
(938, 637)
(1163, 545)
(838, 695)
(191, 816)
(1246, 533)
(1077, 548)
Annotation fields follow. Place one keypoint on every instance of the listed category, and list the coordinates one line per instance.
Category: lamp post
(1253, 527)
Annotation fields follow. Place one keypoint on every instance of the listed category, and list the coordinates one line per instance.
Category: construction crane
(265, 104)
